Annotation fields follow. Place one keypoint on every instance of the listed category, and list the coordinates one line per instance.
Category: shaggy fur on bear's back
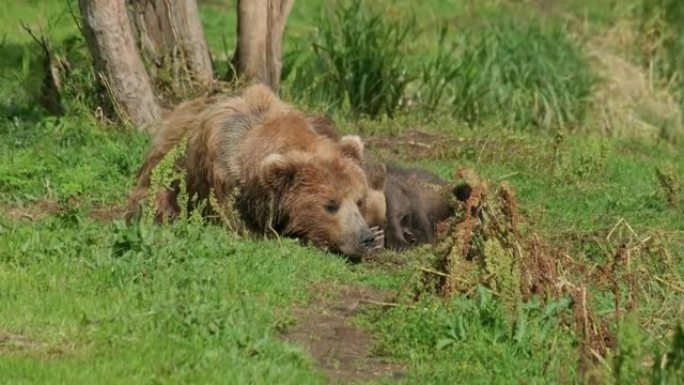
(289, 177)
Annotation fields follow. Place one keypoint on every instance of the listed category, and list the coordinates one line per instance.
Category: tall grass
(662, 37)
(516, 73)
(355, 60)
(523, 75)
(437, 76)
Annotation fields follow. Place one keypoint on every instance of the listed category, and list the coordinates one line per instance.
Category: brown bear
(407, 203)
(290, 178)
(416, 202)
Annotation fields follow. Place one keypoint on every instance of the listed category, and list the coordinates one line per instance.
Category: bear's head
(373, 208)
(318, 196)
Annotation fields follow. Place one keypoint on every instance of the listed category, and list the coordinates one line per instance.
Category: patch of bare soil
(12, 344)
(414, 144)
(417, 145)
(340, 349)
(33, 211)
(38, 210)
(107, 213)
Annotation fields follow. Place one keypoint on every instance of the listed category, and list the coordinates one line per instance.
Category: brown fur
(416, 203)
(290, 178)
(406, 203)
(373, 207)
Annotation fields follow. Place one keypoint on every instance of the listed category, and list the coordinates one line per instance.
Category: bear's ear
(377, 175)
(352, 147)
(277, 172)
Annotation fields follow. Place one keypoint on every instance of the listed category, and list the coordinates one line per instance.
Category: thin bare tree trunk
(250, 54)
(172, 45)
(190, 38)
(261, 24)
(117, 63)
(279, 10)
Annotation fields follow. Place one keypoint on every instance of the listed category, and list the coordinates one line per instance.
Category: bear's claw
(379, 242)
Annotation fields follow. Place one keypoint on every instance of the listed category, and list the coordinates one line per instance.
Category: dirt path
(340, 349)
(38, 210)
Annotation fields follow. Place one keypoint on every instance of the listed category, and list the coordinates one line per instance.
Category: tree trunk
(117, 63)
(260, 28)
(172, 44)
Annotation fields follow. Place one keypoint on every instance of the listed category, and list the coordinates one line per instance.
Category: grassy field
(574, 103)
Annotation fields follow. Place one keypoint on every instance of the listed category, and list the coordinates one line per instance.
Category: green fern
(163, 177)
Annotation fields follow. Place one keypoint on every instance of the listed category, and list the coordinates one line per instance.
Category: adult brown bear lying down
(290, 178)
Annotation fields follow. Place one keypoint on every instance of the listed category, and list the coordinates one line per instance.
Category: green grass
(524, 75)
(355, 61)
(182, 305)
(472, 335)
(85, 301)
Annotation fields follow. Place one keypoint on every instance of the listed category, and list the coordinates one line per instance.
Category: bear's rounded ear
(376, 174)
(277, 172)
(352, 147)
(462, 192)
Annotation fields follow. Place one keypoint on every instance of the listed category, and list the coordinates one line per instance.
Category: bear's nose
(367, 239)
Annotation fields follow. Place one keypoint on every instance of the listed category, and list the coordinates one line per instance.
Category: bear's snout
(366, 239)
(357, 238)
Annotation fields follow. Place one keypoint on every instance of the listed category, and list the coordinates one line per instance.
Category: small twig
(432, 271)
(70, 8)
(601, 359)
(610, 233)
(484, 145)
(630, 229)
(271, 209)
(508, 175)
(670, 284)
(419, 144)
(42, 42)
(385, 304)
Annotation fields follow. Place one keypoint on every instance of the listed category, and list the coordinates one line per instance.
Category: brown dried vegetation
(490, 243)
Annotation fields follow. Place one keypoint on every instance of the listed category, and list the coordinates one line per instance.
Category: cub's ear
(462, 192)
(352, 147)
(277, 172)
(376, 174)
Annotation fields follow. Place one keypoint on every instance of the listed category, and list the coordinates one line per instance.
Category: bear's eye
(332, 207)
(359, 202)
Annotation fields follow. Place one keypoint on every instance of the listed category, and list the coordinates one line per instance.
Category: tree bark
(117, 63)
(260, 28)
(172, 44)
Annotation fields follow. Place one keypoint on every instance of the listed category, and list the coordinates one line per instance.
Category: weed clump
(480, 247)
(166, 176)
(671, 185)
(170, 179)
(488, 243)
